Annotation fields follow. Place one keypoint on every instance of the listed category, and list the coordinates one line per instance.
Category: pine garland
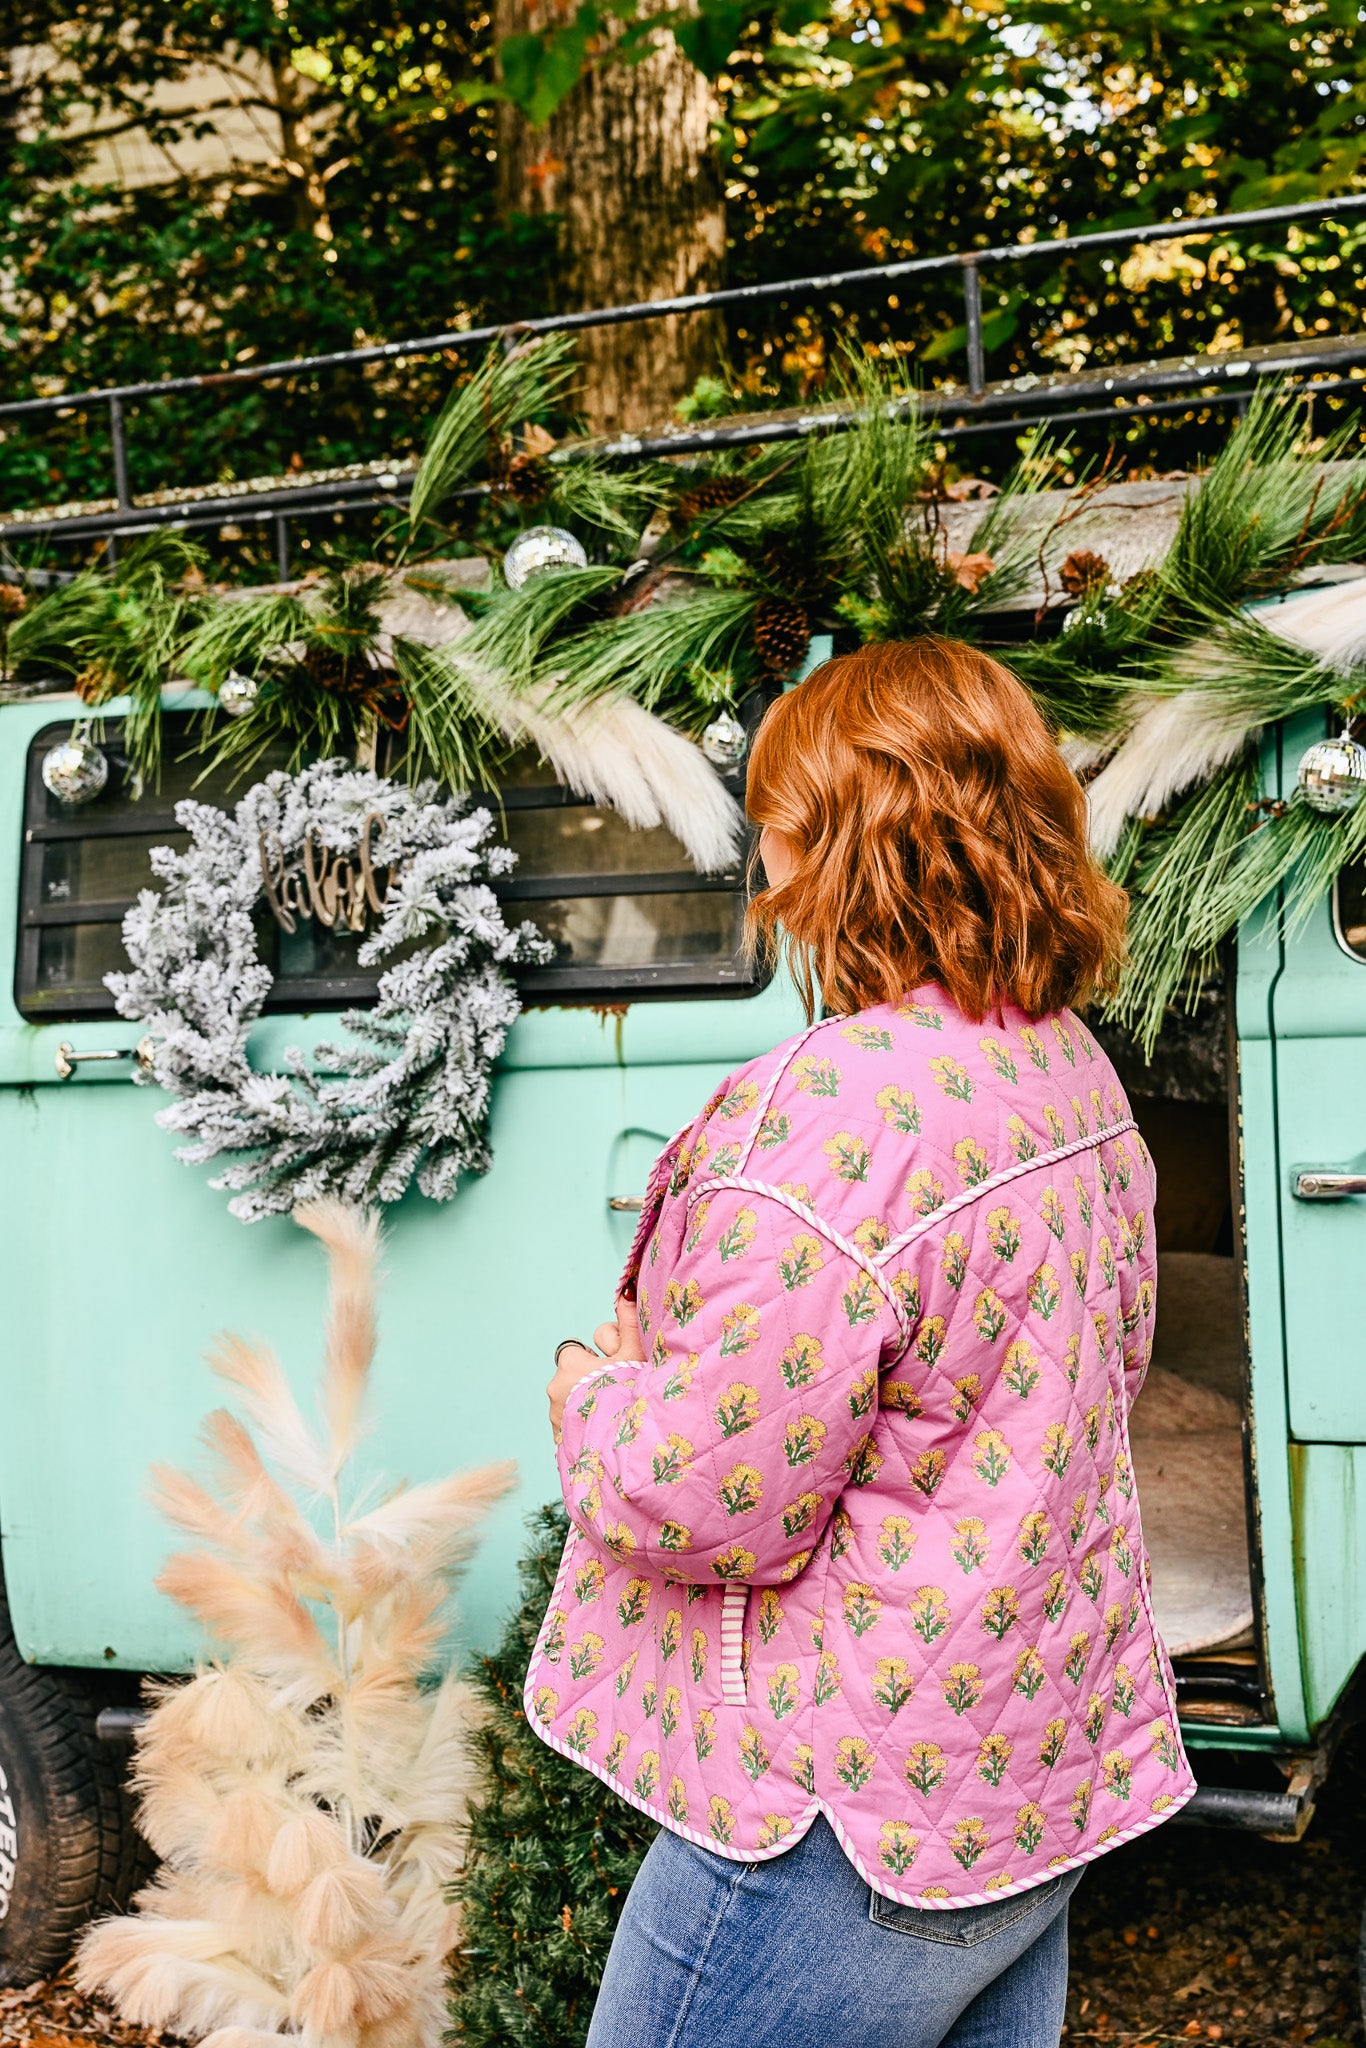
(551, 1854)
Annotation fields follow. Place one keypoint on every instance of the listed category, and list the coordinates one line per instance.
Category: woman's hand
(619, 1343)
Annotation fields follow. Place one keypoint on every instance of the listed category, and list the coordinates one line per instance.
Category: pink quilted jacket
(860, 1535)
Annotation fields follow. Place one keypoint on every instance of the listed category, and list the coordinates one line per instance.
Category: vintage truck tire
(68, 1848)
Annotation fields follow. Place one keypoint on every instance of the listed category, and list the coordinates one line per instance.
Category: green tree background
(848, 131)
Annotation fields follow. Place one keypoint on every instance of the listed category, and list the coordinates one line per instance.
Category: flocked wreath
(406, 1096)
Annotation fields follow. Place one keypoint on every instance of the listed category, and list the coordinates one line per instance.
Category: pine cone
(95, 682)
(1084, 572)
(712, 496)
(528, 479)
(786, 566)
(1136, 589)
(782, 633)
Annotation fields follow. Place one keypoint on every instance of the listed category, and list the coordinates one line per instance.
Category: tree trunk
(627, 164)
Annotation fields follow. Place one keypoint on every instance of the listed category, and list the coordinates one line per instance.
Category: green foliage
(119, 632)
(852, 131)
(474, 426)
(324, 187)
(329, 682)
(551, 1855)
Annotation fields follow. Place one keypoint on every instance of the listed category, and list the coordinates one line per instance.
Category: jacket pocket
(734, 1608)
(966, 1926)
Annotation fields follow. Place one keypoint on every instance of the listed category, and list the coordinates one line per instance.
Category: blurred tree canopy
(310, 173)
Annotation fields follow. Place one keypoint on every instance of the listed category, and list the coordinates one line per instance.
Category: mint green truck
(120, 1264)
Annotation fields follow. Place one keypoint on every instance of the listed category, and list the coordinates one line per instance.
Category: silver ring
(565, 1343)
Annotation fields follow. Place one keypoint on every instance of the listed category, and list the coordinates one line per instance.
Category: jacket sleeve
(721, 1457)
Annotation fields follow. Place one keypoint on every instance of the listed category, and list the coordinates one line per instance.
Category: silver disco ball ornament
(1332, 774)
(540, 550)
(75, 770)
(724, 742)
(237, 693)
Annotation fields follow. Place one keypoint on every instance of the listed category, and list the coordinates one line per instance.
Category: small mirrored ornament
(539, 550)
(1332, 774)
(75, 770)
(724, 742)
(237, 693)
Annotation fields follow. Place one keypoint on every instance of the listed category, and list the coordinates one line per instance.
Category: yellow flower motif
(616, 1750)
(753, 1751)
(994, 1756)
(893, 1683)
(734, 1562)
(582, 1730)
(815, 1076)
(589, 1581)
(736, 1239)
(801, 1361)
(678, 1801)
(741, 1490)
(924, 1192)
(634, 1602)
(929, 1611)
(1030, 1824)
(736, 1411)
(926, 1769)
(899, 1108)
(854, 1761)
(800, 1262)
(991, 1456)
(872, 1235)
(951, 1077)
(963, 1686)
(783, 1691)
(546, 1702)
(671, 1459)
(971, 1160)
(896, 1540)
(773, 1828)
(720, 1819)
(848, 1156)
(896, 1846)
(585, 1656)
(682, 1300)
(739, 1330)
(619, 1540)
(968, 1839)
(970, 1544)
(862, 1608)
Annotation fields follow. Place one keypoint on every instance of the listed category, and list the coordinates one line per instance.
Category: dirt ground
(1185, 1936)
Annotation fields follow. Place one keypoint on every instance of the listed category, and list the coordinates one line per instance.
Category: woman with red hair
(855, 1603)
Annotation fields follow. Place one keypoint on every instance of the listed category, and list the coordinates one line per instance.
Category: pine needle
(507, 388)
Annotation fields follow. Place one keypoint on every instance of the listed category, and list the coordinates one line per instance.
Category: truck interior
(1188, 1430)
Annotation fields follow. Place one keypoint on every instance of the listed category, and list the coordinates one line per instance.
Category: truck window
(628, 915)
(1349, 909)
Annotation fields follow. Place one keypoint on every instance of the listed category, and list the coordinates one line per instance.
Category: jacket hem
(802, 1822)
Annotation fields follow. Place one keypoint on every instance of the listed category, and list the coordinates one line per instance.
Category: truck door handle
(67, 1059)
(1322, 1184)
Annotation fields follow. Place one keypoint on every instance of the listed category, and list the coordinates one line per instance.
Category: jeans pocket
(966, 1926)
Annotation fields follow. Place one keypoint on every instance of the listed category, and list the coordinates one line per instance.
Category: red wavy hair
(940, 837)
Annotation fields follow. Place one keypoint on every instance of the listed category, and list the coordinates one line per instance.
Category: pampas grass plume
(305, 1793)
(306, 1844)
(340, 1907)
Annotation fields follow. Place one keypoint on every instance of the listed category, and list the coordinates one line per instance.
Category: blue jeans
(797, 1952)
